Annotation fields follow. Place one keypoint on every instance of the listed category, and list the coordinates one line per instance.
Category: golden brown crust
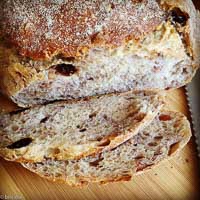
(16, 77)
(193, 39)
(41, 30)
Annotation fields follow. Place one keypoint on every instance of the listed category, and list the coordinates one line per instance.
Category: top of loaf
(41, 29)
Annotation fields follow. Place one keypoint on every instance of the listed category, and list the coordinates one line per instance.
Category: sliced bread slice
(73, 129)
(168, 133)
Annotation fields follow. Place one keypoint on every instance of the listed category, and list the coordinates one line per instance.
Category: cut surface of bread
(167, 134)
(73, 129)
(157, 51)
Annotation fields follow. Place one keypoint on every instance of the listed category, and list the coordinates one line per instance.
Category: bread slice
(167, 134)
(73, 129)
(152, 45)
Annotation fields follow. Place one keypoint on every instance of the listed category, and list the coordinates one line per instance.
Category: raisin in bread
(167, 134)
(73, 129)
(119, 46)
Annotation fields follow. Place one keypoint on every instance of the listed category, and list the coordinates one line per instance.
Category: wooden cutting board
(178, 178)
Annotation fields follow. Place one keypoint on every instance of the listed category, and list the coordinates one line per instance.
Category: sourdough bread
(167, 134)
(130, 45)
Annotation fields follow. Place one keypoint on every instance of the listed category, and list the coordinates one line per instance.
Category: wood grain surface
(177, 179)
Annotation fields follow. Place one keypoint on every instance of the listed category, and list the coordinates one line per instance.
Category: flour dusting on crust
(41, 29)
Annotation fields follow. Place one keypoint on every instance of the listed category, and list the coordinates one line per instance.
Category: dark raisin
(105, 117)
(165, 117)
(44, 120)
(152, 144)
(179, 17)
(90, 79)
(112, 5)
(94, 36)
(20, 143)
(96, 162)
(92, 115)
(66, 69)
(83, 130)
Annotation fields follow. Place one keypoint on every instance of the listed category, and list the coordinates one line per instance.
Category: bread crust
(41, 30)
(193, 39)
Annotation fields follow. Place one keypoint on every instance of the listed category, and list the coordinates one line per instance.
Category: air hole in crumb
(146, 133)
(185, 70)
(17, 111)
(152, 144)
(45, 169)
(157, 153)
(139, 156)
(56, 151)
(78, 126)
(138, 117)
(165, 117)
(99, 139)
(129, 98)
(58, 175)
(20, 143)
(66, 69)
(76, 167)
(158, 137)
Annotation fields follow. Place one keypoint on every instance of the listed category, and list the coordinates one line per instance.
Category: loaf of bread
(164, 137)
(66, 50)
(73, 129)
